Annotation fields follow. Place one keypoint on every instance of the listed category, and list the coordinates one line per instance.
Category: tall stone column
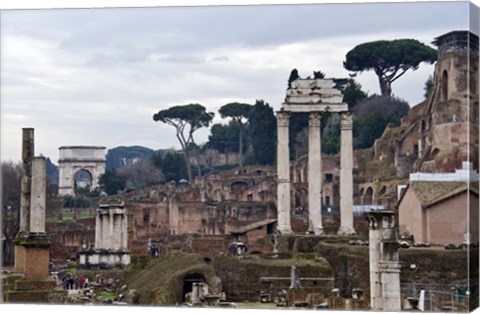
(314, 174)
(26, 184)
(390, 266)
(374, 242)
(98, 230)
(125, 231)
(283, 174)
(25, 197)
(390, 277)
(384, 261)
(346, 176)
(110, 231)
(38, 199)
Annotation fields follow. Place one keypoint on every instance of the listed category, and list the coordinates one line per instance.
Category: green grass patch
(107, 295)
(256, 305)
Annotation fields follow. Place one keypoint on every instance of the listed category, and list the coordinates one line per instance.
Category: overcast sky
(97, 76)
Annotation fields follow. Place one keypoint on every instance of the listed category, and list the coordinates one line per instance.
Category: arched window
(368, 196)
(444, 85)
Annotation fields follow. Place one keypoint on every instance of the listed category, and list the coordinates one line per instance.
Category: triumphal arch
(80, 166)
(314, 96)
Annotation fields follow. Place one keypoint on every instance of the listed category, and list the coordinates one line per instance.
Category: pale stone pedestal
(33, 256)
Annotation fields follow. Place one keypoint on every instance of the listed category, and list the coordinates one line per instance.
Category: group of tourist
(70, 282)
(299, 210)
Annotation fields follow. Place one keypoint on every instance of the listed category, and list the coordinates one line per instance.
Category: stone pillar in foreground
(374, 242)
(26, 184)
(38, 201)
(390, 266)
(314, 174)
(346, 176)
(25, 192)
(283, 174)
(384, 261)
(32, 246)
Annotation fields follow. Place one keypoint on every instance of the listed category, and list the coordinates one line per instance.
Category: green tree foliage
(318, 75)
(186, 119)
(11, 176)
(293, 76)
(263, 136)
(429, 84)
(77, 201)
(389, 59)
(373, 115)
(239, 113)
(140, 174)
(112, 182)
(331, 133)
(351, 90)
(172, 166)
(367, 129)
(298, 134)
(224, 138)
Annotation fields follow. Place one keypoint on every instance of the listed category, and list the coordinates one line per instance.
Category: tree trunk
(385, 87)
(197, 161)
(186, 155)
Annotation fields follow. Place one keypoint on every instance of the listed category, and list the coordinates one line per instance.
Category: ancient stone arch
(77, 160)
(314, 97)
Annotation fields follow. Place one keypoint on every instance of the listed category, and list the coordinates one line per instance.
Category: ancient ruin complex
(253, 209)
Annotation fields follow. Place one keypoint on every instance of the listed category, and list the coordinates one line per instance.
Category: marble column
(125, 231)
(98, 231)
(374, 242)
(390, 266)
(314, 174)
(346, 176)
(283, 174)
(38, 199)
(111, 229)
(391, 294)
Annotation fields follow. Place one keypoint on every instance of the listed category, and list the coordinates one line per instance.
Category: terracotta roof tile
(431, 192)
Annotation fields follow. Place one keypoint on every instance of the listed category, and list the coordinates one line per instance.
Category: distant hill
(121, 156)
(52, 171)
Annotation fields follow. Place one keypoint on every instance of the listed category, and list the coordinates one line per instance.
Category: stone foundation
(33, 256)
(104, 259)
(17, 289)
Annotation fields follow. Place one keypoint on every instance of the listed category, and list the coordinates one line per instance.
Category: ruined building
(437, 135)
(441, 198)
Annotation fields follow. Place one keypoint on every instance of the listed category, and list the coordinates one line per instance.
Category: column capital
(283, 118)
(346, 120)
(314, 119)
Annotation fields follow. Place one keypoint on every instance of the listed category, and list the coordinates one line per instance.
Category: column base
(285, 231)
(346, 231)
(316, 231)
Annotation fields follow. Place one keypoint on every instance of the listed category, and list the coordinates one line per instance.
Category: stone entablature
(81, 153)
(314, 92)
